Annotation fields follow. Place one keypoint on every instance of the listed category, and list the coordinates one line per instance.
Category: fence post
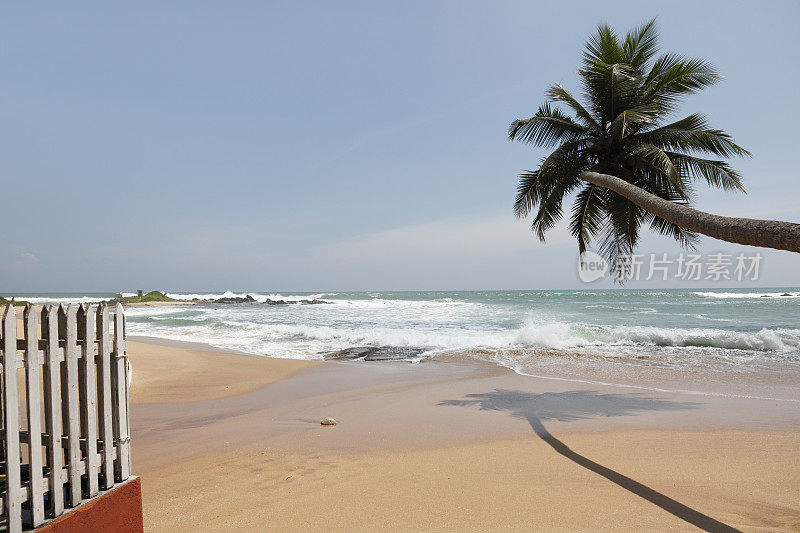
(120, 381)
(88, 394)
(52, 408)
(34, 414)
(104, 402)
(69, 394)
(11, 399)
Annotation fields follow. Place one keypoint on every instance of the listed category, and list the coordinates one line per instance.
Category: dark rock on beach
(375, 353)
(387, 353)
(348, 354)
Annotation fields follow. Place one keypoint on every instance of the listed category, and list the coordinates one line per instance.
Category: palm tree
(627, 164)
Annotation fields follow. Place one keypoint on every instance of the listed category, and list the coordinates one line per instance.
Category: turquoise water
(520, 329)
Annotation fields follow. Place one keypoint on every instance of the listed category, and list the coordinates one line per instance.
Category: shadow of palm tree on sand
(582, 404)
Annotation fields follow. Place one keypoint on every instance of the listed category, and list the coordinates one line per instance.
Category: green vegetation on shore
(152, 296)
(17, 303)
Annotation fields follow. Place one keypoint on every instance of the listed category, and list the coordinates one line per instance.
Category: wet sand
(167, 372)
(448, 446)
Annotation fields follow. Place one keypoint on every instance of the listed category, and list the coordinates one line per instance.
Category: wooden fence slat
(52, 408)
(88, 390)
(128, 378)
(104, 403)
(34, 411)
(13, 497)
(120, 381)
(69, 391)
(89, 409)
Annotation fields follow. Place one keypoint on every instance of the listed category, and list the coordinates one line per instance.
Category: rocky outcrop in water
(302, 302)
(234, 300)
(228, 300)
(250, 300)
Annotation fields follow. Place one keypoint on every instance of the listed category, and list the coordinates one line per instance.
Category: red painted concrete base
(118, 510)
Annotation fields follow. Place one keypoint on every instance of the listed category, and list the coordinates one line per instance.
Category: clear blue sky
(335, 145)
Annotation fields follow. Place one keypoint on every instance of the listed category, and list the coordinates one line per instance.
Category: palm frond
(558, 93)
(656, 159)
(587, 216)
(604, 46)
(548, 127)
(672, 75)
(622, 231)
(631, 120)
(550, 210)
(641, 44)
(609, 87)
(693, 134)
(686, 238)
(527, 193)
(715, 173)
(558, 176)
(535, 185)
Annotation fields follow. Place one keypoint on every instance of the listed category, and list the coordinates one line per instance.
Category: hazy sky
(336, 145)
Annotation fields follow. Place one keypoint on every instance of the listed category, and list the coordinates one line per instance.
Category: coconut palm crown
(622, 128)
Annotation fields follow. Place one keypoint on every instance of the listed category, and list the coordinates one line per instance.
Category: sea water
(528, 331)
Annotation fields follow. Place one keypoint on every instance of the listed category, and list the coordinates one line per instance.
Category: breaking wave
(310, 341)
(567, 336)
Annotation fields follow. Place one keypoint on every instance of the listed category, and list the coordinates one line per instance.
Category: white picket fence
(64, 410)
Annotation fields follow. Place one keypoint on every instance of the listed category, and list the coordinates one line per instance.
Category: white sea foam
(567, 336)
(308, 339)
(741, 295)
(56, 300)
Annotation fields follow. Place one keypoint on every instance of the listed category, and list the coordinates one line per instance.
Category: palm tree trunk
(765, 233)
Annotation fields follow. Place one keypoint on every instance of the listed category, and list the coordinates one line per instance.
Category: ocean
(607, 333)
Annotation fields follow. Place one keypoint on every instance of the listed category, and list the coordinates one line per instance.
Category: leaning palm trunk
(765, 233)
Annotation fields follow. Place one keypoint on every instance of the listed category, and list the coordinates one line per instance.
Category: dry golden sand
(515, 484)
(406, 457)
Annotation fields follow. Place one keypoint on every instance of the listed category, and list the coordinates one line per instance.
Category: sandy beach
(203, 376)
(402, 267)
(233, 443)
